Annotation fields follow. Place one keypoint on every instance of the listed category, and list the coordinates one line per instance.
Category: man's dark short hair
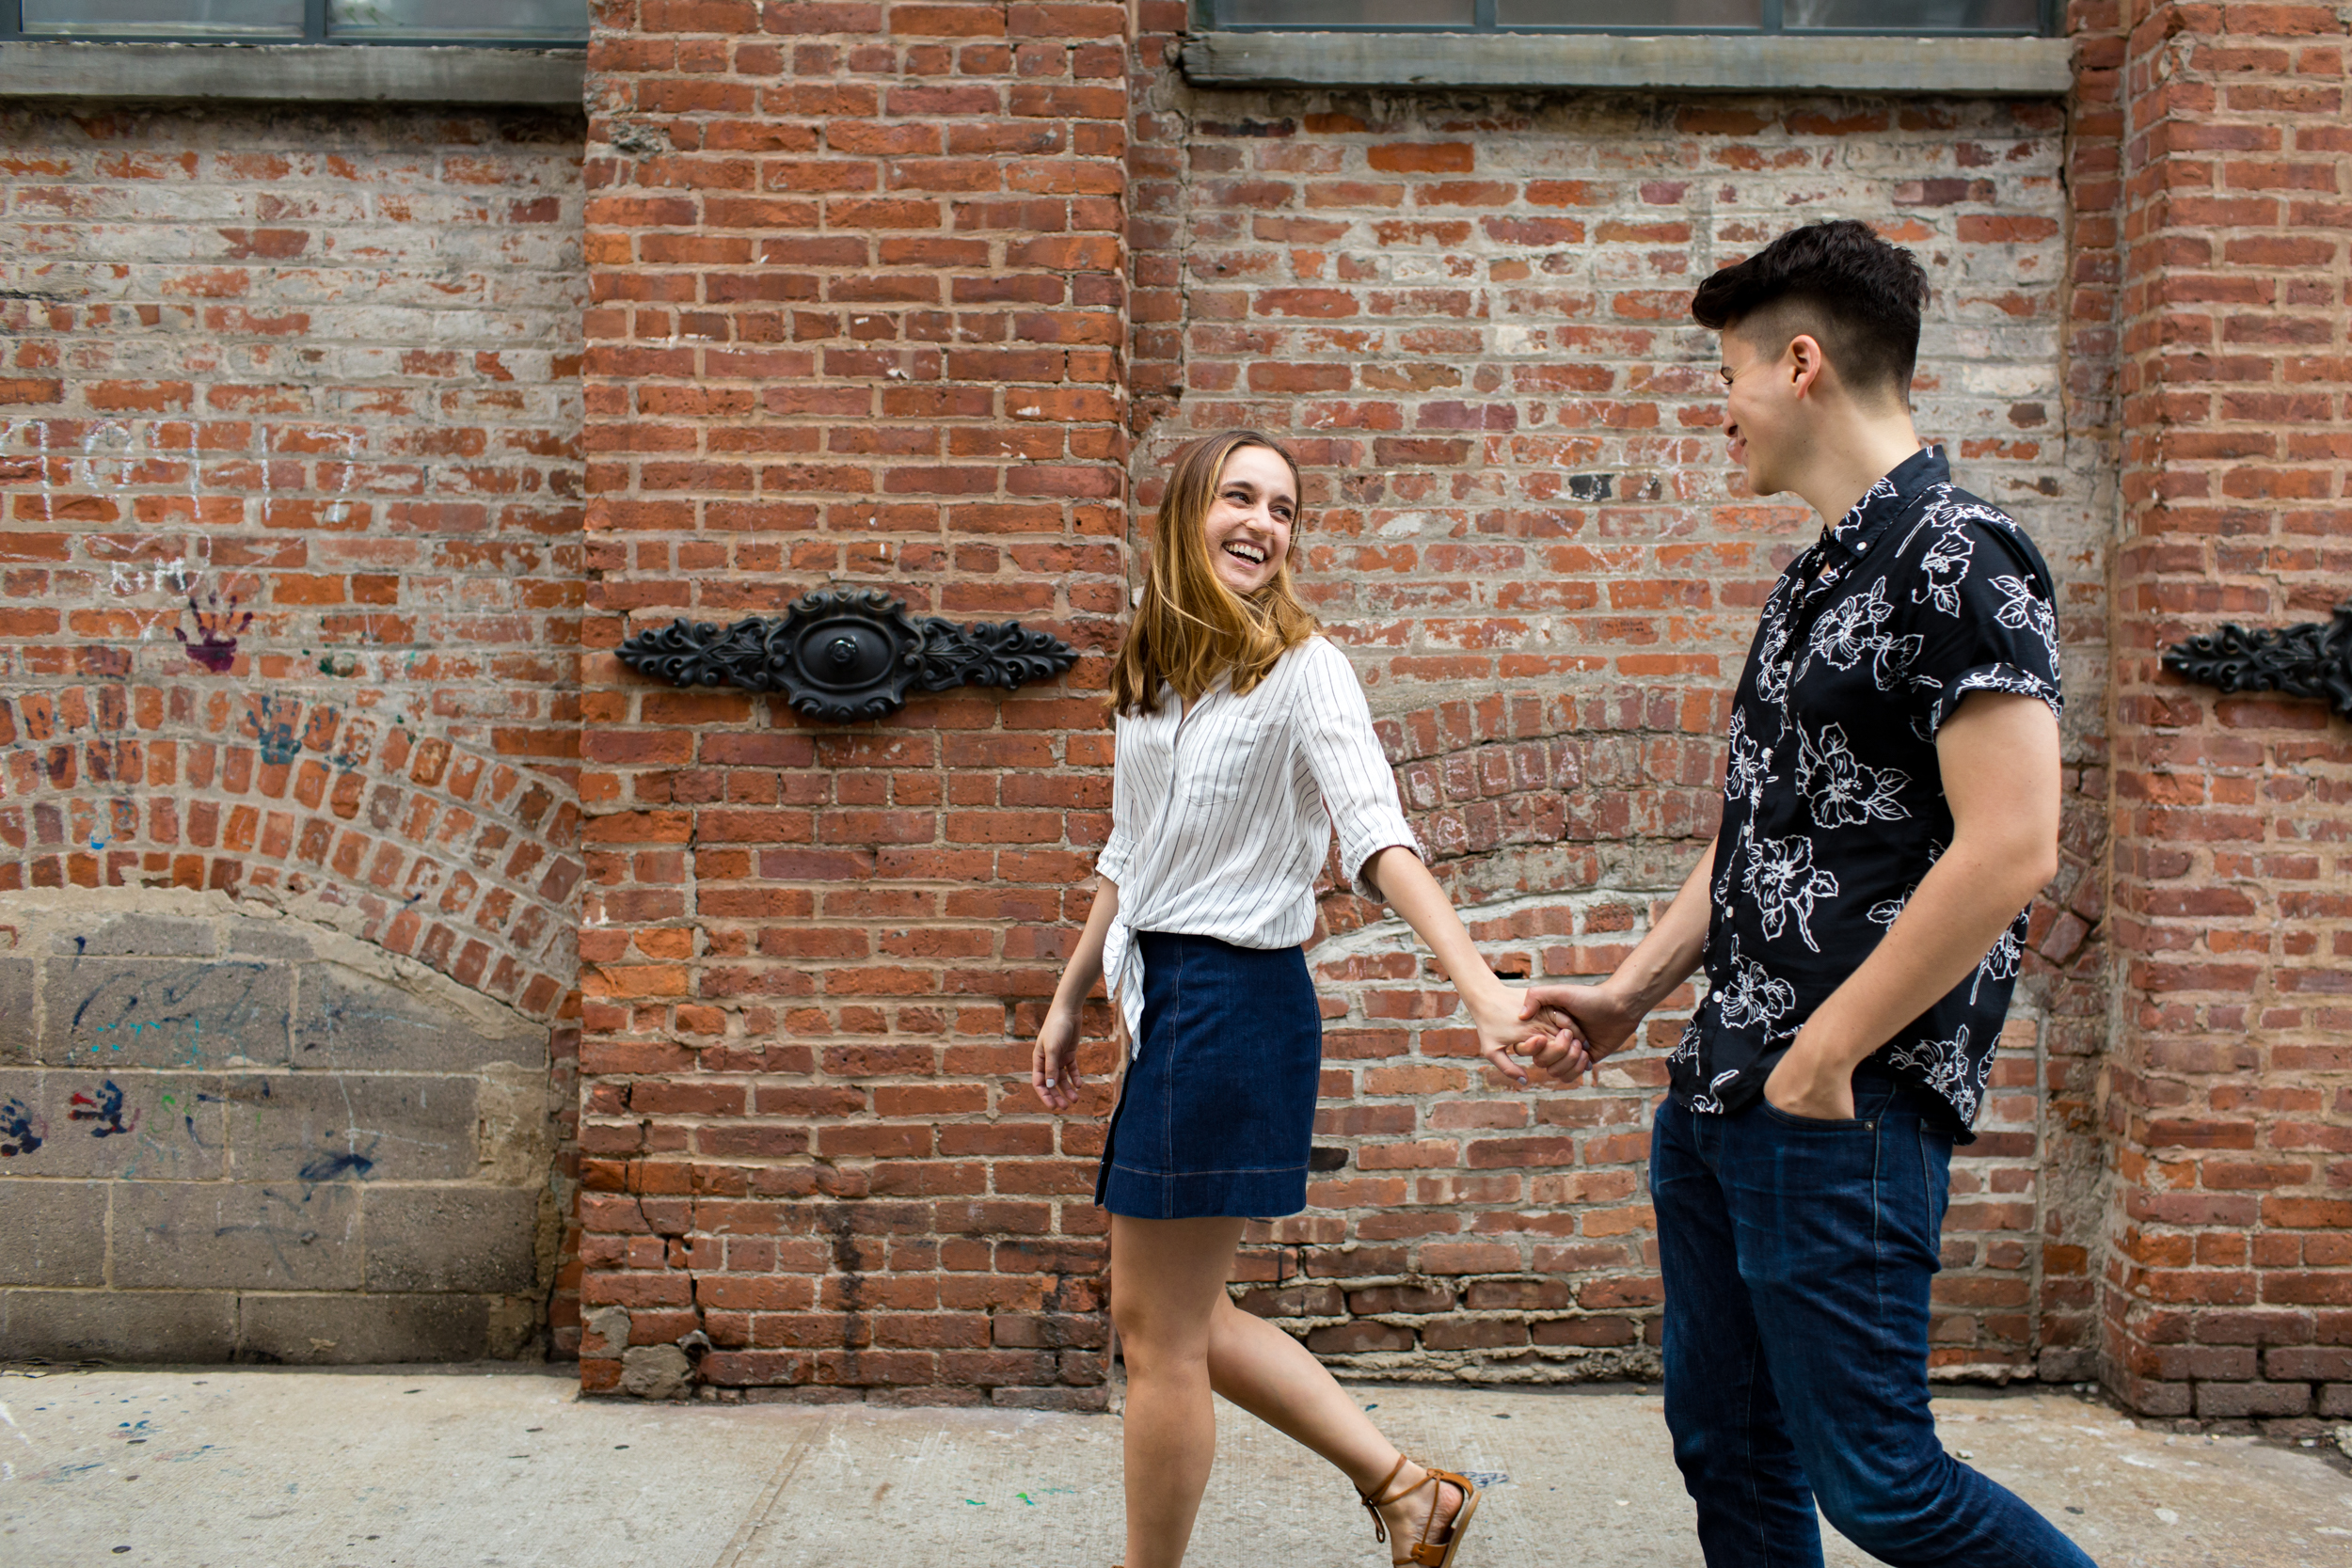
(1856, 294)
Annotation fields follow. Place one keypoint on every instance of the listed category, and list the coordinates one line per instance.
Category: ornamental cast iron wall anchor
(842, 655)
(2312, 659)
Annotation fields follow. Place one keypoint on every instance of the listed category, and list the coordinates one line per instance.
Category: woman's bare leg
(1273, 1376)
(1168, 1280)
(1182, 1338)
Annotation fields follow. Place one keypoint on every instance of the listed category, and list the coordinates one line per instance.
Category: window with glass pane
(1724, 15)
(377, 20)
(1924, 16)
(1397, 14)
(132, 19)
(540, 21)
(1639, 16)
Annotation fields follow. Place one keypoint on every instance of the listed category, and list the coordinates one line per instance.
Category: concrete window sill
(1973, 66)
(292, 73)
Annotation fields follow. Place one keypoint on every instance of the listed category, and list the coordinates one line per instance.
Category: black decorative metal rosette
(841, 654)
(2313, 659)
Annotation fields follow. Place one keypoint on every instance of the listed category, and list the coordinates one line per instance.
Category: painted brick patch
(289, 574)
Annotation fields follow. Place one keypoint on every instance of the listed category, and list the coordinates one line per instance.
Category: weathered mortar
(2227, 1278)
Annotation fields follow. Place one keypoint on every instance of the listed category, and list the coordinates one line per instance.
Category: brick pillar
(2228, 1286)
(2070, 962)
(858, 317)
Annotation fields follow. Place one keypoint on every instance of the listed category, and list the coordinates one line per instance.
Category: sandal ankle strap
(1373, 1502)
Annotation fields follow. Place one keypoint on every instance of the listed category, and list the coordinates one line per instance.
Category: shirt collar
(1887, 500)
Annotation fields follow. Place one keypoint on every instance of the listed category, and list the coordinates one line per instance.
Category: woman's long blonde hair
(1189, 628)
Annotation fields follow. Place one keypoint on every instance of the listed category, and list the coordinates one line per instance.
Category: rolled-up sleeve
(1334, 726)
(1118, 851)
(1117, 854)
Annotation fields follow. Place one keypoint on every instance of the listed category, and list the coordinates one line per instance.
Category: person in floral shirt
(1890, 808)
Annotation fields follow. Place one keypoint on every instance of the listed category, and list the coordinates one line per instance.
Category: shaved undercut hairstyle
(1857, 295)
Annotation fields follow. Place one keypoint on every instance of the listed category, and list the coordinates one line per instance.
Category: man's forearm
(1666, 956)
(1963, 903)
(1593, 1022)
(1999, 757)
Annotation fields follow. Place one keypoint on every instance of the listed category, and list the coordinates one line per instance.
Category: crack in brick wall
(858, 316)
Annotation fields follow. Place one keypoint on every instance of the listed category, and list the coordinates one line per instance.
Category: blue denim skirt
(1218, 1110)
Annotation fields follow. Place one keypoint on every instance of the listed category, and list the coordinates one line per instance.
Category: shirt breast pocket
(1229, 765)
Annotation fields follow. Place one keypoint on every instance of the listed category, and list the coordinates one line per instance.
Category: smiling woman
(1207, 608)
(1248, 526)
(1242, 740)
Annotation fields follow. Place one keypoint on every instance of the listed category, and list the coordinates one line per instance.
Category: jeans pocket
(1815, 1124)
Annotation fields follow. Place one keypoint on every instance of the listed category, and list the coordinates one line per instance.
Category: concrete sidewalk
(409, 1467)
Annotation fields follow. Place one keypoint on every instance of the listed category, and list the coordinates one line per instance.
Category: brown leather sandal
(1424, 1553)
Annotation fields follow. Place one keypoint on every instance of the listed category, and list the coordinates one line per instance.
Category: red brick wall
(922, 297)
(858, 316)
(2069, 935)
(290, 571)
(2229, 1284)
(1470, 317)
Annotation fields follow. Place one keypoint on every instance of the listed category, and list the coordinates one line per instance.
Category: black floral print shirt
(1833, 803)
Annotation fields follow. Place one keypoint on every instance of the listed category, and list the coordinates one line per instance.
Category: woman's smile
(1249, 524)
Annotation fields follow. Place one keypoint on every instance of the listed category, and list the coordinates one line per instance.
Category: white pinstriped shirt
(1221, 815)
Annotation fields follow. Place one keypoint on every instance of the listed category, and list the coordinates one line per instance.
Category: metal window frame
(314, 34)
(1206, 18)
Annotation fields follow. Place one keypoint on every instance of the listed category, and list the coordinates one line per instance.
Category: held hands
(1577, 1026)
(1054, 1064)
(1502, 1013)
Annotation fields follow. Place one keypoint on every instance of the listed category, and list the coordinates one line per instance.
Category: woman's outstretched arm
(1494, 1007)
(1054, 1065)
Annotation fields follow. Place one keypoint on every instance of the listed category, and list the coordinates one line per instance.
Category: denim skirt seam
(1167, 1106)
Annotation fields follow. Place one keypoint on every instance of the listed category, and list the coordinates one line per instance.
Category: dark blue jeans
(1797, 1255)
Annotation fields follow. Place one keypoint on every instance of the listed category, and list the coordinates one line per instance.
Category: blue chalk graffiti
(105, 1110)
(275, 1234)
(173, 1007)
(20, 1130)
(273, 721)
(326, 1167)
(187, 1120)
(66, 1472)
(195, 1026)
